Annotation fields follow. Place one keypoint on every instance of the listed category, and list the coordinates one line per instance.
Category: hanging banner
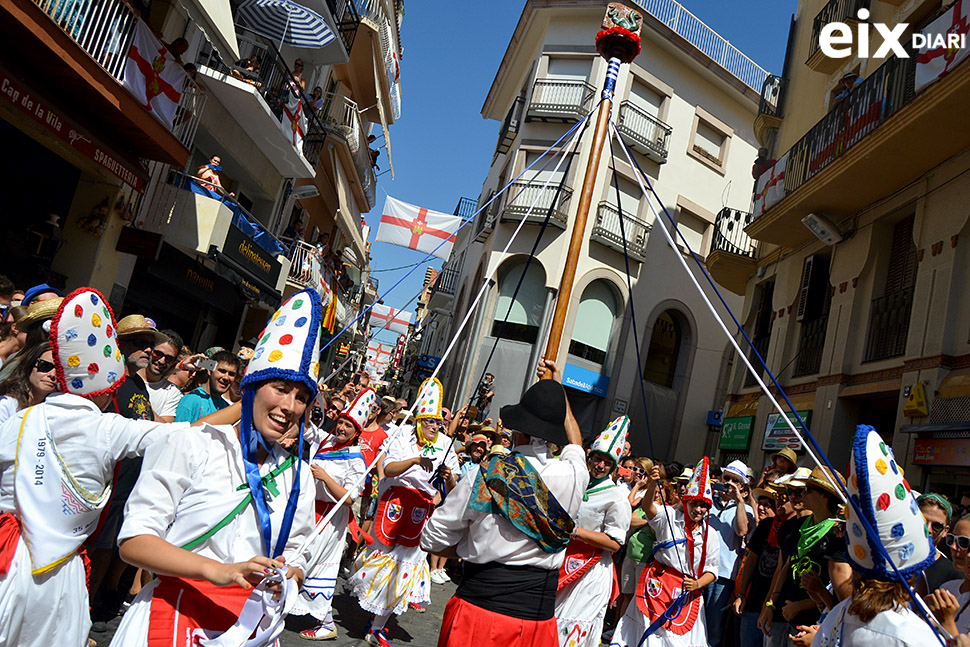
(417, 228)
(937, 57)
(770, 187)
(779, 435)
(397, 320)
(153, 76)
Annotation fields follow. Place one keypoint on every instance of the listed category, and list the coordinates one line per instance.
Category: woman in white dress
(587, 577)
(337, 466)
(217, 508)
(393, 572)
(668, 599)
(57, 459)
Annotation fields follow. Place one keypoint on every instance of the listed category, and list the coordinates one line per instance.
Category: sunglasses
(961, 541)
(639, 470)
(140, 342)
(43, 366)
(937, 527)
(158, 355)
(796, 493)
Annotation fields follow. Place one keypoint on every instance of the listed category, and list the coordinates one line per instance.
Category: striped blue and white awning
(286, 22)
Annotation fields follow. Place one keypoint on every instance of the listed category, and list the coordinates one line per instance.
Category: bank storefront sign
(585, 380)
(778, 435)
(736, 433)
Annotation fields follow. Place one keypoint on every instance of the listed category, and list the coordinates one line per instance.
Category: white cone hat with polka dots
(611, 441)
(84, 342)
(362, 408)
(430, 396)
(289, 346)
(877, 487)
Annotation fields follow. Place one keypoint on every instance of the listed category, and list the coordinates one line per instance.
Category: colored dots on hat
(884, 501)
(883, 449)
(281, 320)
(93, 368)
(70, 334)
(860, 552)
(275, 315)
(107, 314)
(112, 376)
(855, 483)
(96, 320)
(297, 304)
(109, 331)
(92, 339)
(265, 338)
(299, 323)
(881, 466)
(897, 530)
(259, 352)
(286, 340)
(73, 361)
(78, 310)
(913, 507)
(906, 550)
(276, 356)
(900, 492)
(316, 369)
(117, 355)
(856, 530)
(94, 298)
(77, 383)
(107, 350)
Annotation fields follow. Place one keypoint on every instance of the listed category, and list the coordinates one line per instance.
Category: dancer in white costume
(215, 508)
(393, 571)
(56, 465)
(587, 577)
(686, 556)
(337, 465)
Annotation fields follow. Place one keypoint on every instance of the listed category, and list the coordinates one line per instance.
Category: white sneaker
(439, 576)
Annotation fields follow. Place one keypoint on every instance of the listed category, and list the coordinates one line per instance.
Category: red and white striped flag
(396, 320)
(153, 76)
(417, 228)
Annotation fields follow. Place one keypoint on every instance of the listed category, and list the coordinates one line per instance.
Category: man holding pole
(510, 522)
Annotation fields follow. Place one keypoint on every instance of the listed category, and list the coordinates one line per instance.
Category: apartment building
(853, 260)
(686, 106)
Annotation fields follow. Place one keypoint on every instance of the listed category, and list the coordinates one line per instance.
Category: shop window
(593, 329)
(663, 353)
(525, 308)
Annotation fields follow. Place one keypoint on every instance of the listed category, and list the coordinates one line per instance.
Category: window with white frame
(693, 229)
(710, 140)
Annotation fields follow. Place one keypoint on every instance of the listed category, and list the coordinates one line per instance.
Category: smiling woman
(31, 381)
(190, 517)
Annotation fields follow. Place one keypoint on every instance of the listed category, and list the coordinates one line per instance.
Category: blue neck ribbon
(251, 439)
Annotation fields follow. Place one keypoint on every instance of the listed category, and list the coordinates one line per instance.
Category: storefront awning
(955, 385)
(214, 17)
(871, 388)
(948, 428)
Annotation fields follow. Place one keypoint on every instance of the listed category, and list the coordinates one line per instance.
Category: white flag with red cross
(418, 228)
(153, 76)
(942, 51)
(396, 320)
(294, 120)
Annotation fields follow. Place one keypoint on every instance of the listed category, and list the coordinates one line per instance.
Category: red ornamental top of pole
(620, 36)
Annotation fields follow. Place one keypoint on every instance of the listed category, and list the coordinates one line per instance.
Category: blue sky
(442, 147)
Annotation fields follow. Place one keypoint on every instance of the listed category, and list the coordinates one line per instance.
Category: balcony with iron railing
(810, 346)
(533, 200)
(376, 18)
(889, 325)
(881, 136)
(485, 221)
(769, 108)
(560, 100)
(310, 269)
(732, 258)
(340, 118)
(267, 101)
(510, 127)
(645, 133)
(87, 43)
(346, 19)
(447, 281)
(607, 231)
(844, 11)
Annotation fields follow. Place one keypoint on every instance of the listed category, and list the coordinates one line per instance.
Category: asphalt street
(412, 628)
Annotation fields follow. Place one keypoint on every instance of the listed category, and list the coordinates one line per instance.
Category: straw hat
(768, 492)
(788, 453)
(138, 325)
(821, 478)
(685, 475)
(39, 311)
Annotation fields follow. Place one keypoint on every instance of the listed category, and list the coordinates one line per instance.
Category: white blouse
(676, 556)
(607, 510)
(402, 445)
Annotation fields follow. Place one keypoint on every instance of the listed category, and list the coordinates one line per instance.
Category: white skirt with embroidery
(386, 579)
(316, 596)
(581, 605)
(50, 609)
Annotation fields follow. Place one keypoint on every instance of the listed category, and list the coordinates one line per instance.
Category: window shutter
(805, 289)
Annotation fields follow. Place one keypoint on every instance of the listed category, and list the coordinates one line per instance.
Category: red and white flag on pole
(396, 320)
(153, 76)
(417, 228)
(294, 120)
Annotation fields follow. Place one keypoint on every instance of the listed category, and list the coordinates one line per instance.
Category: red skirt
(466, 624)
(182, 609)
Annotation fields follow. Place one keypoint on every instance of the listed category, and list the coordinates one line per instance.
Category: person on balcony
(208, 177)
(316, 99)
(849, 82)
(247, 71)
(762, 164)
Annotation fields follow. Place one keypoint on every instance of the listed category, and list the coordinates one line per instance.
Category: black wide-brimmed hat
(540, 413)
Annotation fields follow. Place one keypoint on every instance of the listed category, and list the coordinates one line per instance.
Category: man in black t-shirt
(937, 511)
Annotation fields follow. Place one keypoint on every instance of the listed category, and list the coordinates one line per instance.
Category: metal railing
(510, 127)
(104, 30)
(694, 31)
(340, 117)
(729, 233)
(772, 92)
(606, 230)
(387, 30)
(761, 345)
(304, 265)
(810, 346)
(644, 130)
(269, 73)
(544, 197)
(347, 20)
(447, 282)
(889, 325)
(485, 221)
(834, 11)
(561, 100)
(465, 208)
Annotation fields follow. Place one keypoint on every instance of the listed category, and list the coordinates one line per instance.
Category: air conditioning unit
(823, 228)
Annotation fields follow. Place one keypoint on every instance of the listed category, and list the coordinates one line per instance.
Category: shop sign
(69, 133)
(585, 380)
(193, 278)
(779, 435)
(736, 433)
(949, 452)
(251, 257)
(140, 242)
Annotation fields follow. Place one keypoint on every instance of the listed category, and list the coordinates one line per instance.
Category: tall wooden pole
(619, 42)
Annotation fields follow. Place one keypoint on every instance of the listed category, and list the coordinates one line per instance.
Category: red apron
(580, 557)
(401, 515)
(183, 610)
(657, 588)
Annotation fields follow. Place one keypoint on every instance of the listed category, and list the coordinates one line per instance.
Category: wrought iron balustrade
(729, 233)
(510, 127)
(772, 93)
(340, 117)
(347, 19)
(606, 230)
(644, 131)
(560, 100)
(447, 282)
(533, 200)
